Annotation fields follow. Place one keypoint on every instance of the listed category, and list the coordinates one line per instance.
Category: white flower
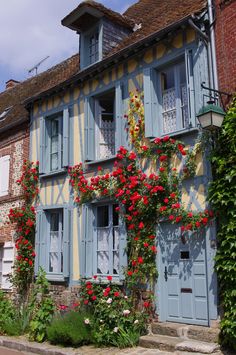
(126, 312)
(109, 300)
(136, 321)
(115, 330)
(87, 321)
(126, 297)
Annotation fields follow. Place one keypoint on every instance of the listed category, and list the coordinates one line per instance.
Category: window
(55, 250)
(52, 242)
(4, 113)
(104, 124)
(4, 175)
(93, 48)
(54, 142)
(6, 264)
(54, 132)
(107, 240)
(174, 98)
(104, 241)
(169, 97)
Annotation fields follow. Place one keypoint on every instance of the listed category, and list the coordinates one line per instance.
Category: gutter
(13, 125)
(113, 59)
(212, 46)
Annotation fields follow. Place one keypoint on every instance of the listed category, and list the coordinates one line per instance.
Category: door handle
(166, 273)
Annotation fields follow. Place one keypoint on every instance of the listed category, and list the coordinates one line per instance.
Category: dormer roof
(89, 12)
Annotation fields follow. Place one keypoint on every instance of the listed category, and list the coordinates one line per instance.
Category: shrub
(42, 308)
(116, 321)
(70, 329)
(7, 311)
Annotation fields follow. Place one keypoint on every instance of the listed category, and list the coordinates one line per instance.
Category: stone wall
(14, 142)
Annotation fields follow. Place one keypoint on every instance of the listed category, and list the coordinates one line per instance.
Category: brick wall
(225, 32)
(15, 143)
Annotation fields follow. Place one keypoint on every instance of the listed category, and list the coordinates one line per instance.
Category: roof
(110, 14)
(155, 15)
(14, 98)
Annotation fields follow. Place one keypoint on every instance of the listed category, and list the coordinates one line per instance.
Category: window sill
(181, 132)
(56, 277)
(104, 281)
(53, 173)
(100, 161)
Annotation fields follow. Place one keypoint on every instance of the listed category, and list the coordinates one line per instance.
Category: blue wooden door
(182, 278)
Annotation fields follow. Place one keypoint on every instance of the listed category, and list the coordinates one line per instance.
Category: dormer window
(100, 30)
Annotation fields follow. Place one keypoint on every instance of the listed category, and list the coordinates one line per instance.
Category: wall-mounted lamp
(211, 116)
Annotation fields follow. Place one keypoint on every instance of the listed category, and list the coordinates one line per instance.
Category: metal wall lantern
(211, 117)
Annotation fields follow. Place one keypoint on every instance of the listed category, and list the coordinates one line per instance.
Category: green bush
(7, 311)
(70, 329)
(41, 307)
(222, 194)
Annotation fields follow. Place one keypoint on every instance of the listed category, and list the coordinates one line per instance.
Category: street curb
(37, 348)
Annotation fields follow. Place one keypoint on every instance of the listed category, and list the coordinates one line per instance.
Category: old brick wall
(15, 143)
(225, 33)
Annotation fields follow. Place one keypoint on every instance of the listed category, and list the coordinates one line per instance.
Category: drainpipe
(212, 47)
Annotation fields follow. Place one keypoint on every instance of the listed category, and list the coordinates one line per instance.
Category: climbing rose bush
(145, 198)
(23, 219)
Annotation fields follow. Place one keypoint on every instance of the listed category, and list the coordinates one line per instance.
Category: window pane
(103, 263)
(116, 237)
(115, 216)
(106, 125)
(54, 222)
(103, 241)
(182, 73)
(116, 263)
(102, 216)
(55, 242)
(168, 78)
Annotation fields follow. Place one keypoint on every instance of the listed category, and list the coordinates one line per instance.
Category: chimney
(11, 83)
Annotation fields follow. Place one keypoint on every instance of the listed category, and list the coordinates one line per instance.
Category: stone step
(171, 344)
(161, 342)
(195, 332)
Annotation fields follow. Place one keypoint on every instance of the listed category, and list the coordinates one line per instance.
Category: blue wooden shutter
(37, 240)
(119, 120)
(66, 240)
(89, 129)
(88, 231)
(66, 122)
(150, 103)
(42, 145)
(190, 86)
(44, 240)
(83, 242)
(122, 250)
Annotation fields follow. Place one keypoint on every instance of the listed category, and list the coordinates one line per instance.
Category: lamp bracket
(220, 93)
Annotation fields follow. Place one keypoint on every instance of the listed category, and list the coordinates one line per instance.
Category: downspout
(212, 48)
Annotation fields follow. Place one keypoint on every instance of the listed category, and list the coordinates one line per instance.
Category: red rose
(116, 294)
(140, 260)
(109, 278)
(94, 298)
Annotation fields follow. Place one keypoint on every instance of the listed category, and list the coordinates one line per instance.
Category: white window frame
(180, 124)
(49, 120)
(4, 175)
(59, 241)
(98, 134)
(111, 250)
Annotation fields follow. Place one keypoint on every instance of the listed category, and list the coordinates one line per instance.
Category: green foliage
(70, 329)
(222, 196)
(7, 311)
(116, 321)
(13, 320)
(42, 307)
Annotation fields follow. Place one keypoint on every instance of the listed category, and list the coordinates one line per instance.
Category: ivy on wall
(144, 198)
(222, 195)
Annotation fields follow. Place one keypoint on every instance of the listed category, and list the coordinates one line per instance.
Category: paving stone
(210, 335)
(161, 342)
(197, 346)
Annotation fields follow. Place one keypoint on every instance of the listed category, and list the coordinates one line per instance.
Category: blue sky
(31, 30)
